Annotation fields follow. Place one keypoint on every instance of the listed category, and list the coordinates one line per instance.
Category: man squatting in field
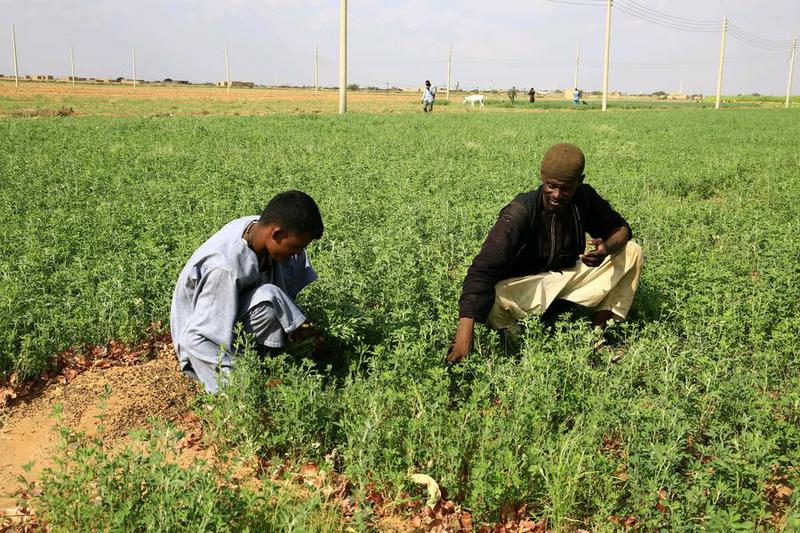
(250, 271)
(536, 254)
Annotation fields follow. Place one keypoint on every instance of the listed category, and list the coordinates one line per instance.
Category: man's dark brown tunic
(527, 240)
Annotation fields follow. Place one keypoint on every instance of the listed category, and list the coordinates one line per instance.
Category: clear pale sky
(402, 42)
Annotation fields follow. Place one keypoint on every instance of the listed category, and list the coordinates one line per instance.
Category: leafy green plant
(681, 423)
(142, 488)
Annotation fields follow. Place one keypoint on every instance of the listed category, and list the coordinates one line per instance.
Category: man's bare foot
(600, 318)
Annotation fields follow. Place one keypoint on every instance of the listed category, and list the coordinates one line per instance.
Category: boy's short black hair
(296, 211)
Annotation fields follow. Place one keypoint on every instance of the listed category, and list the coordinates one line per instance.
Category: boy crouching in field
(250, 271)
(535, 254)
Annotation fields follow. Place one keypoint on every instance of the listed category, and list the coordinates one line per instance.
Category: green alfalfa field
(689, 420)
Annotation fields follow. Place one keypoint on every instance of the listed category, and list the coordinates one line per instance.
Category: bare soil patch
(120, 395)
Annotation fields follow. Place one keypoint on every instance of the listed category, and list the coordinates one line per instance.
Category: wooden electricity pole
(342, 57)
(227, 69)
(721, 61)
(14, 49)
(791, 68)
(605, 62)
(133, 57)
(72, 63)
(449, 67)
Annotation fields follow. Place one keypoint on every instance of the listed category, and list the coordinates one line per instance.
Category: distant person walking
(532, 95)
(428, 97)
(512, 95)
(576, 96)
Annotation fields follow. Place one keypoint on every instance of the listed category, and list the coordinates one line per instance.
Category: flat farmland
(33, 99)
(690, 420)
(148, 100)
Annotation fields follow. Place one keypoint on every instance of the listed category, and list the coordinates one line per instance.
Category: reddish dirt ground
(153, 388)
(162, 92)
(144, 383)
(32, 98)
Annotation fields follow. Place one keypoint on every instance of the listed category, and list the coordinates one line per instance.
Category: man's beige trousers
(610, 286)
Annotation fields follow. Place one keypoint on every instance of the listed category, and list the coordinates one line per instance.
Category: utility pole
(680, 88)
(577, 60)
(14, 48)
(449, 65)
(227, 69)
(791, 68)
(72, 63)
(133, 56)
(316, 68)
(721, 60)
(605, 62)
(342, 57)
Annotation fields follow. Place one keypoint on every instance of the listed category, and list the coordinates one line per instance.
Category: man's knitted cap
(563, 162)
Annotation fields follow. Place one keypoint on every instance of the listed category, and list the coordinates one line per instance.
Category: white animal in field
(474, 99)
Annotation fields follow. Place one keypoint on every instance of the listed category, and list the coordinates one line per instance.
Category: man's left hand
(307, 331)
(595, 257)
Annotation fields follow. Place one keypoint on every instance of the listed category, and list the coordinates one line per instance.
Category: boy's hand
(462, 342)
(595, 257)
(307, 331)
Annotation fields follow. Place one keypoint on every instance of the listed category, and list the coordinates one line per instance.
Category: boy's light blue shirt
(220, 283)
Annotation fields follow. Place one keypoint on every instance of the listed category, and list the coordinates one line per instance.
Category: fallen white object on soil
(434, 493)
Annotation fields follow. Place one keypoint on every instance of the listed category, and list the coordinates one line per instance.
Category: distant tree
(167, 80)
(353, 87)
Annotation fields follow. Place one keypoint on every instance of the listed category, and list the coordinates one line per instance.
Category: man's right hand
(462, 342)
(307, 331)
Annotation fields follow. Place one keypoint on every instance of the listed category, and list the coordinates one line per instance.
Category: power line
(784, 42)
(758, 42)
(680, 23)
(595, 3)
(635, 65)
(642, 12)
(630, 4)
(487, 61)
(757, 45)
(643, 65)
(667, 24)
(662, 19)
(650, 15)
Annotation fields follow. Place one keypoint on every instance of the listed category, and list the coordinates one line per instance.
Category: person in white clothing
(428, 97)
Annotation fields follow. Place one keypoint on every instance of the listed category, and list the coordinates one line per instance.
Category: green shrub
(141, 488)
(702, 404)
